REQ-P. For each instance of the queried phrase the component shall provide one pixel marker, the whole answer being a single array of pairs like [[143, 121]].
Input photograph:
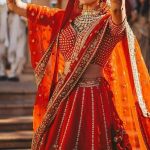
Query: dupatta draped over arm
[[125, 71]]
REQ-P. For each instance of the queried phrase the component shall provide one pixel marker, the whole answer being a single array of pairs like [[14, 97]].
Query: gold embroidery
[[63, 89], [40, 68], [131, 45], [81, 120], [81, 38], [67, 67]]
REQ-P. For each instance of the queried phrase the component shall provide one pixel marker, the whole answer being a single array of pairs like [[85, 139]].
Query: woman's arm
[[18, 7], [39, 14], [118, 12]]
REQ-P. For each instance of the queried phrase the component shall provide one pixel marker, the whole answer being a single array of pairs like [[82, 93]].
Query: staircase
[[16, 106]]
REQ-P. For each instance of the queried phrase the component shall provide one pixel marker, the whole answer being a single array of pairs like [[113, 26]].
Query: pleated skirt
[[87, 120]]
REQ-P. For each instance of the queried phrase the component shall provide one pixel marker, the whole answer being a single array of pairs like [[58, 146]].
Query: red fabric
[[40, 36], [118, 73], [112, 36], [80, 117]]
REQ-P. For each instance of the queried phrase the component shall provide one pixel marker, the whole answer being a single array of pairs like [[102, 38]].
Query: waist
[[93, 71], [90, 82]]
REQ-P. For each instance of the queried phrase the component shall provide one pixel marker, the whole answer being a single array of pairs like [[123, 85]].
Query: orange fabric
[[119, 75], [117, 72], [40, 35], [42, 24]]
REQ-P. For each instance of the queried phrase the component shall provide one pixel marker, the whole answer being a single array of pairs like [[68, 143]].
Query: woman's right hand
[[17, 6]]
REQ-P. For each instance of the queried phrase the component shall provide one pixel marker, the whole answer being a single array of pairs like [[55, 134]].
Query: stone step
[[16, 139], [16, 123], [11, 110], [17, 88], [27, 77], [6, 98], [28, 70]]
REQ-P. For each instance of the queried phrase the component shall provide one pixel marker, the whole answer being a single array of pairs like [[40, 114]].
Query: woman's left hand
[[118, 11]]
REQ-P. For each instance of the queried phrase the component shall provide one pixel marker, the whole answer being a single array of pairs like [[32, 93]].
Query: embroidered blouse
[[68, 37], [113, 34]]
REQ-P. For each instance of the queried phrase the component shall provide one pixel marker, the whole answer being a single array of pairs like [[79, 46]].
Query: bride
[[87, 64]]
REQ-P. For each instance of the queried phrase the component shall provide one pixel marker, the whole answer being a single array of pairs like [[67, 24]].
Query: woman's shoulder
[[42, 14], [38, 8]]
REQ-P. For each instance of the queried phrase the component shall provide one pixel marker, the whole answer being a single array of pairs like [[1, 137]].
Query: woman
[[86, 84]]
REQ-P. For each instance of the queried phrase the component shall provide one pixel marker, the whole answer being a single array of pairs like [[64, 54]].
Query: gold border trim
[[66, 89], [137, 84]]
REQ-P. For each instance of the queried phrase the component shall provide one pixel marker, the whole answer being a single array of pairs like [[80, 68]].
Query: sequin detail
[[66, 42], [131, 42], [69, 119], [86, 82], [113, 35], [105, 124], [80, 122], [59, 130], [92, 95]]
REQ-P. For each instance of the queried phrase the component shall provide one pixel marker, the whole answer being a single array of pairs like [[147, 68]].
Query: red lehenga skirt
[[87, 120]]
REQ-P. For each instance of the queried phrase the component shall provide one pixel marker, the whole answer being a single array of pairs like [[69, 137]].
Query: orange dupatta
[[120, 76], [41, 33]]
